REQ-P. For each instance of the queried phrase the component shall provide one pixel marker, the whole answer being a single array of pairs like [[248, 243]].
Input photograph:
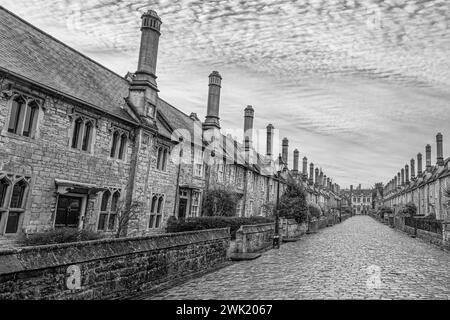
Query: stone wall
[[108, 269], [290, 229], [254, 238]]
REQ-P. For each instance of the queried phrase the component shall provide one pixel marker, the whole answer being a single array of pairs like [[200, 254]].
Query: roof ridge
[[62, 43]]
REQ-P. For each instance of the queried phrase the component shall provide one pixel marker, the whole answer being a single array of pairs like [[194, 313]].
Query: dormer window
[[150, 110]]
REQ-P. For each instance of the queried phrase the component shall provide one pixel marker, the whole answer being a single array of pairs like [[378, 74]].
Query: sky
[[358, 87]]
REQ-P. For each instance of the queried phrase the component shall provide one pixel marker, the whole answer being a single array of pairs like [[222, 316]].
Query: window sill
[[18, 137]]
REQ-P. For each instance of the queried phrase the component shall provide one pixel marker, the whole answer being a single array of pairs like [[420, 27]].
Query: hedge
[[202, 223], [60, 235]]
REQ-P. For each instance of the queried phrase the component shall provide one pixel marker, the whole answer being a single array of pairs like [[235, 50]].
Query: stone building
[[360, 200], [78, 142], [425, 187]]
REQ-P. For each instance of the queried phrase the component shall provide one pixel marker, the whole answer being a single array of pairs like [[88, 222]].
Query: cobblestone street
[[340, 262]]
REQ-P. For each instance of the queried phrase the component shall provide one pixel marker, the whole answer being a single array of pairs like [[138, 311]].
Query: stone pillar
[[439, 150], [270, 133], [413, 169], [248, 127], [285, 149], [212, 111], [419, 164], [296, 159], [428, 157]]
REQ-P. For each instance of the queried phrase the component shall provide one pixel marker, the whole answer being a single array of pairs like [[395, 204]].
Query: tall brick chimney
[[296, 159], [419, 164], [143, 91], [428, 157], [413, 169], [395, 183], [399, 179], [305, 167], [249, 114], [403, 176], [406, 174], [212, 112], [316, 180], [311, 173], [285, 150], [270, 133], [440, 153]]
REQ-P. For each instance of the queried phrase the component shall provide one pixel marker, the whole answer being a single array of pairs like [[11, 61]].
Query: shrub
[[220, 203], [60, 235], [408, 210], [384, 210], [293, 204], [314, 210], [203, 223]]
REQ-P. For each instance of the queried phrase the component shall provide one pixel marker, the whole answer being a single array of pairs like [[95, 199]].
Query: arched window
[[30, 119], [115, 201], [160, 204], [156, 211], [154, 202], [158, 162], [76, 132], [4, 184], [114, 144], [17, 111], [123, 143], [87, 136], [164, 160], [105, 200], [18, 193]]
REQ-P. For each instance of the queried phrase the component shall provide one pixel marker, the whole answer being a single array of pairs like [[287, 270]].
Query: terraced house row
[[78, 143], [426, 188]]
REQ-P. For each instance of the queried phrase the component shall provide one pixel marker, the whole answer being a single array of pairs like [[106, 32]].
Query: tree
[[125, 214], [220, 202], [293, 204]]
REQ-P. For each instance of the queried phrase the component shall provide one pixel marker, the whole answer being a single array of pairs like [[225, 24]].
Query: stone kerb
[[254, 238]]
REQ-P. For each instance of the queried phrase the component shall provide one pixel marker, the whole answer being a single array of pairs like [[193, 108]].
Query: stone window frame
[[5, 210], [162, 157], [195, 206], [118, 149], [198, 162], [85, 120], [108, 213], [28, 99], [156, 209], [239, 206], [250, 208], [220, 171], [239, 177]]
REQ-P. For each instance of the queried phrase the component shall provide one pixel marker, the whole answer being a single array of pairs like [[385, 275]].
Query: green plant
[[408, 210], [202, 223], [384, 210], [220, 202], [60, 235], [314, 210], [293, 204]]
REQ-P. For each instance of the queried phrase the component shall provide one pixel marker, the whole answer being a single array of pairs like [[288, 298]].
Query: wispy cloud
[[359, 87]]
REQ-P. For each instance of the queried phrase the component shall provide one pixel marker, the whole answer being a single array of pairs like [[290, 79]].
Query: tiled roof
[[32, 54]]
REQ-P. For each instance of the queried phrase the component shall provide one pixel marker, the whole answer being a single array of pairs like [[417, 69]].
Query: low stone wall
[[290, 229], [254, 238], [112, 268], [322, 222]]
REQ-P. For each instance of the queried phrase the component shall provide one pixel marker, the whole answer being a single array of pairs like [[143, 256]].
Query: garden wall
[[254, 238], [290, 229], [112, 268]]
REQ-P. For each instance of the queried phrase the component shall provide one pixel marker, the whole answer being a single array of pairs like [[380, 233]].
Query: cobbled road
[[357, 259]]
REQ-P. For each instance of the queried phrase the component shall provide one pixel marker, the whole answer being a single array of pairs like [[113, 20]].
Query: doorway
[[68, 211]]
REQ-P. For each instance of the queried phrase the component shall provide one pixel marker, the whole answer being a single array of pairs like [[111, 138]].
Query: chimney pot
[[248, 127], [285, 147], [296, 159], [419, 164], [212, 112], [428, 157], [440, 153], [269, 140]]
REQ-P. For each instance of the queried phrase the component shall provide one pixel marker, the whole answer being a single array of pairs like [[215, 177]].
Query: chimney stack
[[428, 157], [403, 176], [324, 181], [269, 140], [395, 183], [143, 91], [440, 152], [212, 112], [413, 169], [311, 173], [248, 127], [296, 158], [285, 148], [419, 165], [399, 179], [407, 174], [305, 167], [316, 180]]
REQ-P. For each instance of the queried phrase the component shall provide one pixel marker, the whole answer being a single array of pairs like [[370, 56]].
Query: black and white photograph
[[226, 152]]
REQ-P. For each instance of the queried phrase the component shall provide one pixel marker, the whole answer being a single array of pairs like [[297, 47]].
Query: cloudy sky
[[358, 86]]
